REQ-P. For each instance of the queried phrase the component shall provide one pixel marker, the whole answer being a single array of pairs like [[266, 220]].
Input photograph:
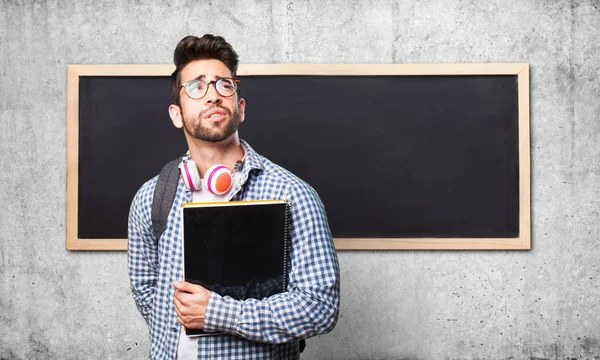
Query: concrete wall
[[538, 304]]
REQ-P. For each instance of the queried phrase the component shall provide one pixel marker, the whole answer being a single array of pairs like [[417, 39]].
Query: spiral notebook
[[238, 248]]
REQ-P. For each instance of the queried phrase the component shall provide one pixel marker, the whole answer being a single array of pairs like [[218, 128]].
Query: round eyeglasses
[[197, 88]]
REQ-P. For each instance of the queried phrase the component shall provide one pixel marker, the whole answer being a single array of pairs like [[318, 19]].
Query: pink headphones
[[217, 179]]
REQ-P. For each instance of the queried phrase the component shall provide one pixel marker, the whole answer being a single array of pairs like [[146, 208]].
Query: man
[[206, 104]]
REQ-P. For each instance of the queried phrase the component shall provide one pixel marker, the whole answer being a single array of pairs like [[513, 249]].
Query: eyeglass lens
[[196, 89]]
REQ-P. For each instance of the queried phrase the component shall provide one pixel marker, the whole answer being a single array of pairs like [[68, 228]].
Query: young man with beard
[[207, 105]]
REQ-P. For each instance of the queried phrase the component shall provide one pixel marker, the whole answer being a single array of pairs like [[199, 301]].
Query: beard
[[213, 132]]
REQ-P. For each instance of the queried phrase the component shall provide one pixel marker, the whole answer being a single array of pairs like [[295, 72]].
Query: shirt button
[[174, 329]]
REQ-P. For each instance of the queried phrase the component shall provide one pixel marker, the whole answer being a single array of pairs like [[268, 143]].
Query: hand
[[190, 304]]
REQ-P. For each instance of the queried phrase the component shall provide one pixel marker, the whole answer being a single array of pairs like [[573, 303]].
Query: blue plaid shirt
[[254, 329]]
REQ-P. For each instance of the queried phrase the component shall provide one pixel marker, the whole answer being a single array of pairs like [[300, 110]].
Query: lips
[[215, 115]]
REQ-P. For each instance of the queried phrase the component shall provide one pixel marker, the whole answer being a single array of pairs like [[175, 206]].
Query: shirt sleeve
[[310, 305], [142, 252]]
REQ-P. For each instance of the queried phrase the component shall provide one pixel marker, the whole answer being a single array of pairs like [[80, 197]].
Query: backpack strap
[[164, 195], [302, 344]]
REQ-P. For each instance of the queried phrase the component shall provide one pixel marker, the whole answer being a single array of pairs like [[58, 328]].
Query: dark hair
[[192, 48]]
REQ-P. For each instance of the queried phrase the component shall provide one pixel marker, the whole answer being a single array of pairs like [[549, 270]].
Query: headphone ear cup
[[190, 175], [218, 179]]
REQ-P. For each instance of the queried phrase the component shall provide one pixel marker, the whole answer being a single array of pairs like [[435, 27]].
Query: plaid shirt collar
[[251, 161]]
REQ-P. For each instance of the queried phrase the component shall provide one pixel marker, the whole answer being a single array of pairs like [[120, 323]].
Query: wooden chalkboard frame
[[522, 242]]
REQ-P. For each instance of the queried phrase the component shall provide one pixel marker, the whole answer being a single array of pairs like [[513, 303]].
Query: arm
[[310, 305], [142, 254]]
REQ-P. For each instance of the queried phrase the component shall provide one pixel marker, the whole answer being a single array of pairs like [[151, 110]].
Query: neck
[[207, 154]]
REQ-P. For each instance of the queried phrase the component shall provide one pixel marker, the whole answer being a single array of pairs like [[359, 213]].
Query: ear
[[175, 114], [242, 107]]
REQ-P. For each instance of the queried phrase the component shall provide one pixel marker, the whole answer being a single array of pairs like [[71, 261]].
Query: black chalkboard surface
[[394, 158]]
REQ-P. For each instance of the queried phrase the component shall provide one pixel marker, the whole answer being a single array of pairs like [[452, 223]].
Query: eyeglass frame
[[214, 83]]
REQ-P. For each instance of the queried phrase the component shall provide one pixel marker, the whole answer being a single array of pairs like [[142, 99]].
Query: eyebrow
[[201, 77]]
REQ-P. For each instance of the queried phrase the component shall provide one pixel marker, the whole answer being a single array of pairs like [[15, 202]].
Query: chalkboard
[[402, 156]]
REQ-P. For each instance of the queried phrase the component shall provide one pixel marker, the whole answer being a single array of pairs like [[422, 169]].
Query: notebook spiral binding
[[286, 246]]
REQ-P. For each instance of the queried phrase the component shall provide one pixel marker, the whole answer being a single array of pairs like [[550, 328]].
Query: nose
[[212, 96]]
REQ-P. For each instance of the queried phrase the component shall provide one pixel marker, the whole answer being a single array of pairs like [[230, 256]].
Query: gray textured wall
[[538, 304]]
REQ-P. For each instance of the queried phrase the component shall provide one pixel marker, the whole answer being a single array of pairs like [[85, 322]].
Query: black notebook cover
[[237, 249]]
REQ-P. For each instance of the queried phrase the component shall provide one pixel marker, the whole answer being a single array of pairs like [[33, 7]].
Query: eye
[[226, 84], [195, 88]]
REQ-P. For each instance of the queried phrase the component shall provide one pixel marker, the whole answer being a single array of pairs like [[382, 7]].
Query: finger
[[180, 296], [181, 309], [185, 299], [180, 321], [181, 317], [178, 307], [187, 287]]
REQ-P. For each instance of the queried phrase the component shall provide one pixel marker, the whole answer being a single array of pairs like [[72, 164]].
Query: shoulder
[[142, 201]]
